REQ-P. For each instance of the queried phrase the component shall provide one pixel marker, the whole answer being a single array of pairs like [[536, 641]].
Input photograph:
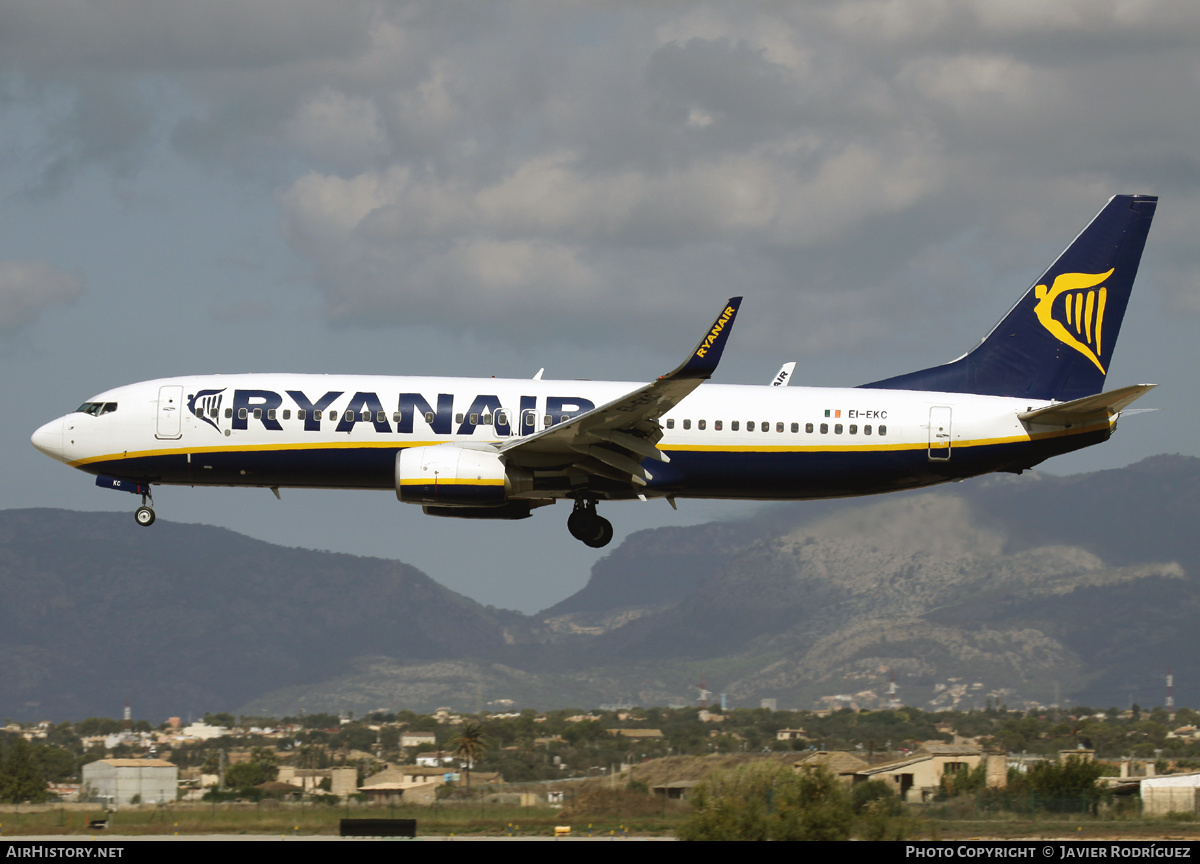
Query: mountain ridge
[[1029, 586]]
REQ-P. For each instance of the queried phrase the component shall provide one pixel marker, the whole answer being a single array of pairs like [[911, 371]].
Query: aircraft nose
[[49, 439]]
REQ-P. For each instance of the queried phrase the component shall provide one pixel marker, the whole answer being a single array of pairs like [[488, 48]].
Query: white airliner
[[496, 449]]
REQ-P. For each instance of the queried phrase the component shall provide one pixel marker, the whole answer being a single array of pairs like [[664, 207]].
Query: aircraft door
[[939, 433], [170, 411]]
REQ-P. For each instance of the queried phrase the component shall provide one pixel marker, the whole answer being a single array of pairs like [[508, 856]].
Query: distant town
[[421, 758]]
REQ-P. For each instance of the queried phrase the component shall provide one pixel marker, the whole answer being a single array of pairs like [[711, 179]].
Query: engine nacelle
[[450, 475]]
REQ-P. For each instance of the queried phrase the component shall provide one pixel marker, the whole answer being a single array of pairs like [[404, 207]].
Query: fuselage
[[723, 441], [499, 448]]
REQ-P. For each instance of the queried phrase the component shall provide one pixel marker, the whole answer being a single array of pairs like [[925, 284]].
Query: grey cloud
[[107, 125], [27, 288], [170, 36], [724, 90], [483, 166]]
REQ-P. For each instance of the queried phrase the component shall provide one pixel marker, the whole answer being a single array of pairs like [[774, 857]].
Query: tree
[[246, 774], [769, 801], [1065, 786], [262, 768], [267, 759], [469, 746], [964, 781], [21, 777], [57, 764]]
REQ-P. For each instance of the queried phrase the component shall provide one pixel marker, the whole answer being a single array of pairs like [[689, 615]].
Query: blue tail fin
[[1057, 341]]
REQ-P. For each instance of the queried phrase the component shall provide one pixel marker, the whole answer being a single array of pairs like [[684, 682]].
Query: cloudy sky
[[490, 188]]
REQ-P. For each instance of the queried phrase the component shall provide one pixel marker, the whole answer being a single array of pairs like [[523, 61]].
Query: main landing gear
[[144, 515], [588, 526]]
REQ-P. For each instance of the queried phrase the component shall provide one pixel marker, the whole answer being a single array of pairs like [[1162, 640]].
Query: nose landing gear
[[588, 526]]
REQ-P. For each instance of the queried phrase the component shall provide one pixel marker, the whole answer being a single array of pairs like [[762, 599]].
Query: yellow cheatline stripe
[[261, 448], [911, 445], [786, 448]]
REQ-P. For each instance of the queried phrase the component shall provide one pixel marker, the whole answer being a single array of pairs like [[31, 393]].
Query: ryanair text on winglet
[[715, 332]]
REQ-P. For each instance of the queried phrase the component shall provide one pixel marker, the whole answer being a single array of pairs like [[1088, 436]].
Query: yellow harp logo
[[1079, 320]]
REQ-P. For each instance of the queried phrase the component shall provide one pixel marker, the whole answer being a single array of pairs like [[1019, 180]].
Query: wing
[[613, 439]]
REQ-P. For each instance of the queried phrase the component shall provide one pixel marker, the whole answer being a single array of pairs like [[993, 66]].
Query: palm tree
[[469, 746]]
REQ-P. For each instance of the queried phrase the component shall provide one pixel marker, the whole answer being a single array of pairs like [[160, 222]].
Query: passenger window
[[287, 413], [214, 413], [428, 416], [735, 425], [837, 429], [687, 424], [257, 413], [882, 429], [380, 416], [458, 418], [563, 419], [228, 413], [749, 425], [718, 425], [241, 413], [671, 423], [547, 420], [824, 428], [699, 424], [474, 419], [317, 414], [270, 413], [853, 429], [395, 417], [779, 426], [808, 428], [365, 416], [302, 414], [795, 427], [867, 429], [501, 418], [487, 419]]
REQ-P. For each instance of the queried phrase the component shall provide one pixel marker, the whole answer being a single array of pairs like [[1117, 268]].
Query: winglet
[[784, 376], [707, 354]]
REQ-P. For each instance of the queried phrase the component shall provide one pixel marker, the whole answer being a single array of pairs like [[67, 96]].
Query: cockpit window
[[96, 408]]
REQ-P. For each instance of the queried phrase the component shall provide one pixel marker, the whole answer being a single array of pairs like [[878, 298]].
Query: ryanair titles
[[412, 412]]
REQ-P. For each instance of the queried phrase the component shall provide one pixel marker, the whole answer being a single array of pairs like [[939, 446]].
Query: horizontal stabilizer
[[1090, 408]]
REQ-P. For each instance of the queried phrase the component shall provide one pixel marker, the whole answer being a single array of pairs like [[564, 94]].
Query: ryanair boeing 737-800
[[496, 449]]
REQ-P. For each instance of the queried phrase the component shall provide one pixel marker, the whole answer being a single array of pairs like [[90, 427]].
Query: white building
[[118, 781], [418, 739], [1175, 793], [203, 731]]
